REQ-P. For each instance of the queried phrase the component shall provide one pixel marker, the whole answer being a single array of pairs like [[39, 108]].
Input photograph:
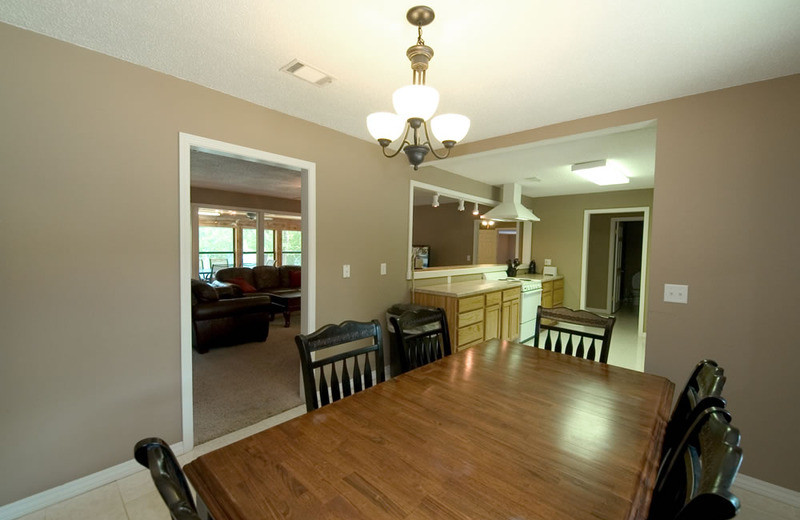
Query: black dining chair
[[696, 484], [703, 390], [423, 336], [352, 344], [578, 333], [155, 454]]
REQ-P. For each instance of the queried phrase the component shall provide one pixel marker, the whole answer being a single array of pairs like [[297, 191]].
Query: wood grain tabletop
[[498, 431]]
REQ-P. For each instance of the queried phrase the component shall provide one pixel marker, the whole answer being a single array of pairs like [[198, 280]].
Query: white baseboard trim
[[767, 490], [597, 311], [74, 488]]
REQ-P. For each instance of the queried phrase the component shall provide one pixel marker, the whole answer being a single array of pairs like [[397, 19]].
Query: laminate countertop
[[540, 277], [471, 288]]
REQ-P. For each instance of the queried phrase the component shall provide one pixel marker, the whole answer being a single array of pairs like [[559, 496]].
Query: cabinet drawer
[[470, 303], [470, 317], [547, 287], [558, 284], [493, 298], [470, 333], [510, 294]]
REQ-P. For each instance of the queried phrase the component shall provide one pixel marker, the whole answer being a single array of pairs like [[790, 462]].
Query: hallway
[[627, 347]]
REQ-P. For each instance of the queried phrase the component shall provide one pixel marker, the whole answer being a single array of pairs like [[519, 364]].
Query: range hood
[[511, 209]]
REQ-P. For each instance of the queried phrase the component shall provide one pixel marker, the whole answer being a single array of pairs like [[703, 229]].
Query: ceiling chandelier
[[414, 104]]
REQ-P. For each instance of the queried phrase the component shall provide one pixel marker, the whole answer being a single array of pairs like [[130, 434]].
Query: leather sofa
[[221, 318], [262, 278]]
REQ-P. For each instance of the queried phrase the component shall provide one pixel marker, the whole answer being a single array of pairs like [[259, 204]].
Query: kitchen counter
[[540, 277], [462, 289], [476, 310]]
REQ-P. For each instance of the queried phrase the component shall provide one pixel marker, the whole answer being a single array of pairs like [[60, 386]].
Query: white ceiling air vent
[[307, 72]]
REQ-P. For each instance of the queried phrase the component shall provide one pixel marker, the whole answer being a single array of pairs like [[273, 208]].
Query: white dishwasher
[[531, 299]]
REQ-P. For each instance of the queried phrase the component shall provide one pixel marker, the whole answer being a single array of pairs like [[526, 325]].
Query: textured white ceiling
[[544, 168], [509, 66], [220, 172]]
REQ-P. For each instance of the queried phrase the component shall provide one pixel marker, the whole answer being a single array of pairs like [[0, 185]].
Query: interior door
[[616, 299], [487, 246]]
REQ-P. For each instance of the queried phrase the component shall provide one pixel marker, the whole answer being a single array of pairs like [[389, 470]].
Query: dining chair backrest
[[697, 483], [423, 336], [351, 344], [703, 390], [578, 333], [155, 454]]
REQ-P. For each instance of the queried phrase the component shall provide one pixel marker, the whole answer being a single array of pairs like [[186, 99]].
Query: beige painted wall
[[90, 312], [243, 200], [724, 222], [90, 353], [449, 232]]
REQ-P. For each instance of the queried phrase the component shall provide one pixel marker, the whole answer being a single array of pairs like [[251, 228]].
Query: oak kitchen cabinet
[[552, 291], [476, 310]]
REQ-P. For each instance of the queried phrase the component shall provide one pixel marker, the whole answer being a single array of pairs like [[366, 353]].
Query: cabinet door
[[558, 292], [505, 321], [513, 325], [547, 294], [492, 322]]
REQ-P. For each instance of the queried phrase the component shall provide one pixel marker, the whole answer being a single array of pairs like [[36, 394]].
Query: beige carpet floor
[[237, 386]]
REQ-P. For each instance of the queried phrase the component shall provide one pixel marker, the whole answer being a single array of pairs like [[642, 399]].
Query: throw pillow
[[244, 284], [294, 278]]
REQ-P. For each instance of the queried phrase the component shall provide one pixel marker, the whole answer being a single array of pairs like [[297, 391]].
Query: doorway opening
[[614, 276], [245, 249]]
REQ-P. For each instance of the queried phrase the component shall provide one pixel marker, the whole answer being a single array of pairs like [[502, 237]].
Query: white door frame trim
[[309, 227], [585, 250]]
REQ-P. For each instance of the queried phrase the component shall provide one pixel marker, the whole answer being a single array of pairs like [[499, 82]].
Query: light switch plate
[[548, 261], [383, 268], [675, 293], [346, 271]]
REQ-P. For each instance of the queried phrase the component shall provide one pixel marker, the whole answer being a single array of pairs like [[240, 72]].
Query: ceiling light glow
[[601, 172]]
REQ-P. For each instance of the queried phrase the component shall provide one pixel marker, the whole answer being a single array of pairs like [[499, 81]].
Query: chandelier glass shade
[[415, 101], [414, 105]]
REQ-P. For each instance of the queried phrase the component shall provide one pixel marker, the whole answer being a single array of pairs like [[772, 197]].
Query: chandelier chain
[[420, 41]]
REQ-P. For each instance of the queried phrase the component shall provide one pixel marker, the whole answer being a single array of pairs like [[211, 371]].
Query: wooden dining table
[[497, 431]]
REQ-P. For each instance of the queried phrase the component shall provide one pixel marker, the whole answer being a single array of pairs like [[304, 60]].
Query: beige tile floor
[[135, 497]]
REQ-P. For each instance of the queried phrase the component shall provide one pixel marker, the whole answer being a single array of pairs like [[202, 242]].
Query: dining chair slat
[[347, 340], [336, 393], [346, 387], [578, 326]]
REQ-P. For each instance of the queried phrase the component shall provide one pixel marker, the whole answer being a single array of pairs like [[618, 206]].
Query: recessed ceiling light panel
[[601, 173], [307, 73]]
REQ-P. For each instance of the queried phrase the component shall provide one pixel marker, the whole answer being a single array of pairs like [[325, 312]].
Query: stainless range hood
[[511, 209]]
